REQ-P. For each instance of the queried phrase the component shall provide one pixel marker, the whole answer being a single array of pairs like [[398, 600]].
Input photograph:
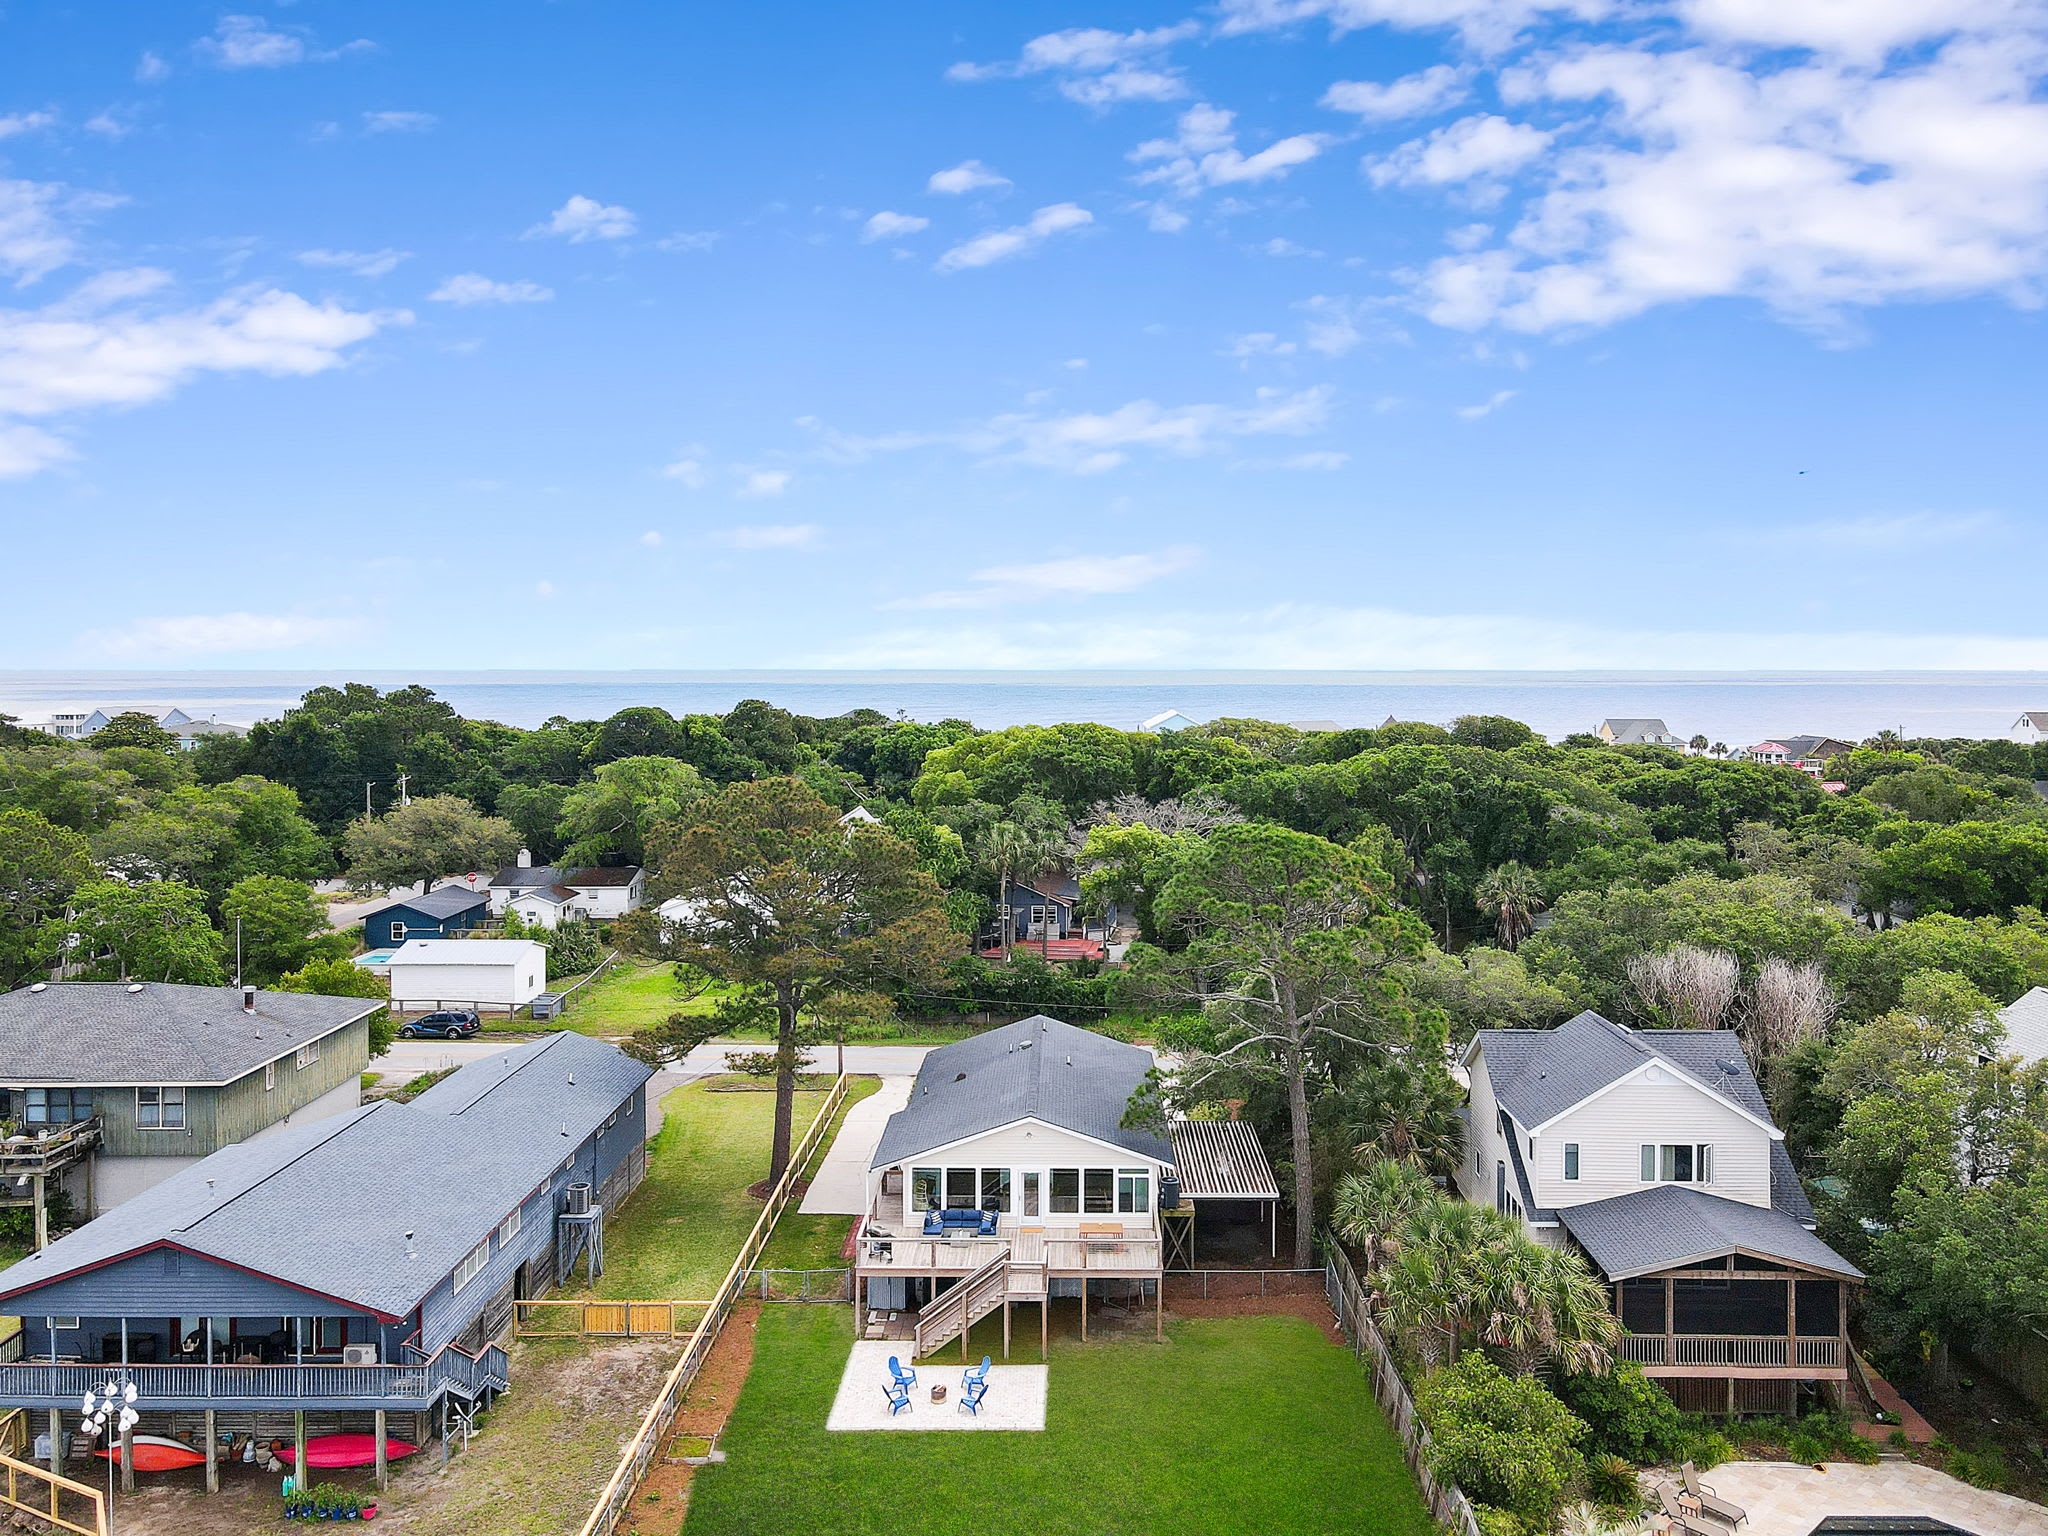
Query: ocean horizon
[[1737, 708]]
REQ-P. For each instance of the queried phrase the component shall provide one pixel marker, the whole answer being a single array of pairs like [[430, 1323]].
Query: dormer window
[[1682, 1162]]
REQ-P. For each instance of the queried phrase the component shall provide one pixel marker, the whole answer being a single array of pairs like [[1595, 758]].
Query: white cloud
[[398, 122], [1096, 66], [1002, 244], [967, 176], [25, 122], [1489, 405], [770, 536], [689, 240], [153, 640], [1488, 25], [1417, 95], [26, 450], [651, 539], [1879, 533], [585, 218], [688, 467], [1074, 576], [108, 343], [35, 237], [249, 42], [543, 589], [1204, 153], [1471, 149], [889, 226], [758, 484], [1864, 29], [151, 68], [475, 288], [361, 263]]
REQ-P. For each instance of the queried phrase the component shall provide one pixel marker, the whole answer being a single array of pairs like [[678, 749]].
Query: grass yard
[[1237, 1425], [627, 998], [677, 1236]]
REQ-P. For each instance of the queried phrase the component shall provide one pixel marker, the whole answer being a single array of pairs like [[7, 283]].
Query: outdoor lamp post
[[112, 1408]]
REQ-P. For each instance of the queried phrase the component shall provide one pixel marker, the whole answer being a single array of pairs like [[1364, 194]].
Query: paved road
[[408, 1058]]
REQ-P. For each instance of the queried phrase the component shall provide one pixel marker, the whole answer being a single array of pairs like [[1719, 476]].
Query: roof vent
[[134, 986], [39, 986], [959, 1077], [1025, 1045], [1070, 1061]]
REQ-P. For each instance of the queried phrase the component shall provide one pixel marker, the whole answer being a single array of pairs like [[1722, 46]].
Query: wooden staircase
[[950, 1315]]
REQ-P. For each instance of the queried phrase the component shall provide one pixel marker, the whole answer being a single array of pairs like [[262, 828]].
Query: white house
[[2030, 727], [1011, 1177], [2026, 1026], [1652, 1153], [551, 892], [189, 730], [467, 973], [1167, 722], [1623, 733]]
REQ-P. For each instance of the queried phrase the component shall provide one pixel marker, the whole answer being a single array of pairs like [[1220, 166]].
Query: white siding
[[1032, 1145], [502, 985], [1611, 1129], [610, 901], [1484, 1147]]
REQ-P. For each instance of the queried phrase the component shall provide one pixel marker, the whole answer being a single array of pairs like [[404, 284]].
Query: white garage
[[468, 973]]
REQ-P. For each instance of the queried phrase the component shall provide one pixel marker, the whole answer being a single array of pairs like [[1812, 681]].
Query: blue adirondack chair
[[899, 1375], [972, 1394], [898, 1395], [975, 1374]]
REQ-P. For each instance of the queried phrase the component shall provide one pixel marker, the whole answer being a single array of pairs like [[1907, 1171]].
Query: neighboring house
[[1015, 1139], [142, 1079], [467, 973], [2030, 727], [190, 730], [860, 816], [1167, 722], [1314, 725], [450, 909], [1809, 754], [1652, 1153], [1045, 907], [1634, 733], [355, 1269], [600, 892], [2026, 1026]]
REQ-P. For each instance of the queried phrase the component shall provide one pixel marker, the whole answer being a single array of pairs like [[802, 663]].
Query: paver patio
[[1790, 1498], [1016, 1395]]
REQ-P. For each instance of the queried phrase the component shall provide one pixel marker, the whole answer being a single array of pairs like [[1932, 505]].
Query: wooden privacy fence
[[605, 1319], [1447, 1501], [87, 1511], [646, 1442]]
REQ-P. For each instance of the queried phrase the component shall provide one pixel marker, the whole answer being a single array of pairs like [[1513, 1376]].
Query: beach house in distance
[[1652, 1153], [1010, 1177], [1630, 733], [353, 1275]]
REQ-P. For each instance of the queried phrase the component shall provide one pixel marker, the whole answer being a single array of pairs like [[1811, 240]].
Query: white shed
[[468, 973]]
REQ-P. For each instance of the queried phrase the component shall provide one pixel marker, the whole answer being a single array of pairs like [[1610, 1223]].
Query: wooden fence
[[1447, 1501], [605, 1319], [646, 1443], [50, 1493]]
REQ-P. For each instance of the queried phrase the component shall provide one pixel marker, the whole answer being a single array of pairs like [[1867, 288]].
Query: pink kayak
[[345, 1450]]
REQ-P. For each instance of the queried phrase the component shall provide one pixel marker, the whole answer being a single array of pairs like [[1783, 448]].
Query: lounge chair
[[1683, 1520], [1718, 1509], [975, 1373], [972, 1394], [901, 1377], [898, 1395]]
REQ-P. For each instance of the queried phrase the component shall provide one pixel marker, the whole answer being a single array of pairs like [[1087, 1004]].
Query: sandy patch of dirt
[[664, 1499]]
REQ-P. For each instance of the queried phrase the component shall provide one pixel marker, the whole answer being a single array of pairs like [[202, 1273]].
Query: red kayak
[[154, 1453], [337, 1451]]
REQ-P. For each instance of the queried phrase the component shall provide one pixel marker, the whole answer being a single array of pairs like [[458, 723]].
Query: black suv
[[449, 1024]]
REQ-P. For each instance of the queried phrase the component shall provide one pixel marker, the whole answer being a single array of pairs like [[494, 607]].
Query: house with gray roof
[[149, 1077], [2026, 1026], [368, 1263], [1011, 1176], [1653, 1154], [1632, 733], [600, 892]]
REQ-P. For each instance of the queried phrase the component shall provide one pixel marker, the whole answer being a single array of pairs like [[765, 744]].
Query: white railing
[[1735, 1351], [960, 1308], [1058, 1251]]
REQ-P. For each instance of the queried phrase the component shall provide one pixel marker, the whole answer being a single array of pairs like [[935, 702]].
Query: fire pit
[[938, 1394]]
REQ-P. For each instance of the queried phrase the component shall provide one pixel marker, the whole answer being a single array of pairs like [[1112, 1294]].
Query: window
[[1680, 1163], [306, 1055], [1066, 1191], [1500, 1186], [472, 1262], [61, 1324], [1098, 1191], [1571, 1160], [924, 1188], [1133, 1191], [508, 1228], [269, 1076], [58, 1106], [995, 1189], [959, 1189], [397, 933], [160, 1109], [330, 1334]]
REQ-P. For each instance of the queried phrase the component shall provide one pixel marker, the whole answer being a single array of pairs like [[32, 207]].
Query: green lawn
[[1236, 1426], [678, 1234], [626, 998]]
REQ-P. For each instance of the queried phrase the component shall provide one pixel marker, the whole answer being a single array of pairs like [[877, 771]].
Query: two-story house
[[141, 1079], [1653, 1153], [545, 894], [1010, 1177], [339, 1274]]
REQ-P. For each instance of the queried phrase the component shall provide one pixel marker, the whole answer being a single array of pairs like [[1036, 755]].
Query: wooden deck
[[1064, 1252]]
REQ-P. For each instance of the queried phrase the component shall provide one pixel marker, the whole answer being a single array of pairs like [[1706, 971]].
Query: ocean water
[[1736, 708]]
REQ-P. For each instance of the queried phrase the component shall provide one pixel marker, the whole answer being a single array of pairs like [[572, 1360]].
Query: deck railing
[[1735, 1351], [416, 1381], [1063, 1251]]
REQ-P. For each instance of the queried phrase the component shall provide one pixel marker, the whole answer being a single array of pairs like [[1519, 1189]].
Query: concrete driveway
[[840, 1187]]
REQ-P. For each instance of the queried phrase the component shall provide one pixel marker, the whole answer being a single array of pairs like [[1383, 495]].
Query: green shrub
[[1980, 1469], [1629, 1415], [18, 1222], [1708, 1448], [1611, 1482], [1504, 1439], [1497, 1522]]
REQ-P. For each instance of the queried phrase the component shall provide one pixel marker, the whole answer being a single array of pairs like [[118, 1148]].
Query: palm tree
[[1439, 1255], [1372, 1208], [1540, 1306], [1720, 749], [1422, 1303], [1007, 850], [1404, 1110], [1513, 894], [1697, 744], [1886, 741]]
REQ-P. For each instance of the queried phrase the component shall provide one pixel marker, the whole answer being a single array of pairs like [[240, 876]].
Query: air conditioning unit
[[576, 1199], [358, 1354]]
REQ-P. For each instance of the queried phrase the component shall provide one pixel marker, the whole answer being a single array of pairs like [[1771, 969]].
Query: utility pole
[[403, 778], [367, 812]]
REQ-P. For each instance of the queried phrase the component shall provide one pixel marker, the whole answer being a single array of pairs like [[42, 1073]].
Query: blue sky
[[1269, 333]]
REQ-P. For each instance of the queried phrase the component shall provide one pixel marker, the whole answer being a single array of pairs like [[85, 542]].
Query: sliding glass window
[[1066, 1191]]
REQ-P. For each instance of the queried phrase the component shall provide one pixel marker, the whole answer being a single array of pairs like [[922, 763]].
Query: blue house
[[342, 1272], [439, 914]]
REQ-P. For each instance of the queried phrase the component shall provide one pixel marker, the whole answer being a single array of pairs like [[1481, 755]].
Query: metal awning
[[1221, 1160]]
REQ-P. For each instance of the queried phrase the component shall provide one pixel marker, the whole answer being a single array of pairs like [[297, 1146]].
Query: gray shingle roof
[[1037, 1068], [1538, 1074], [523, 877], [443, 902], [104, 1033], [325, 1206], [1666, 1225], [2026, 1025]]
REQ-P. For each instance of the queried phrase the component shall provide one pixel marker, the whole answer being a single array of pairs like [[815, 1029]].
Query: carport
[[1225, 1177]]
